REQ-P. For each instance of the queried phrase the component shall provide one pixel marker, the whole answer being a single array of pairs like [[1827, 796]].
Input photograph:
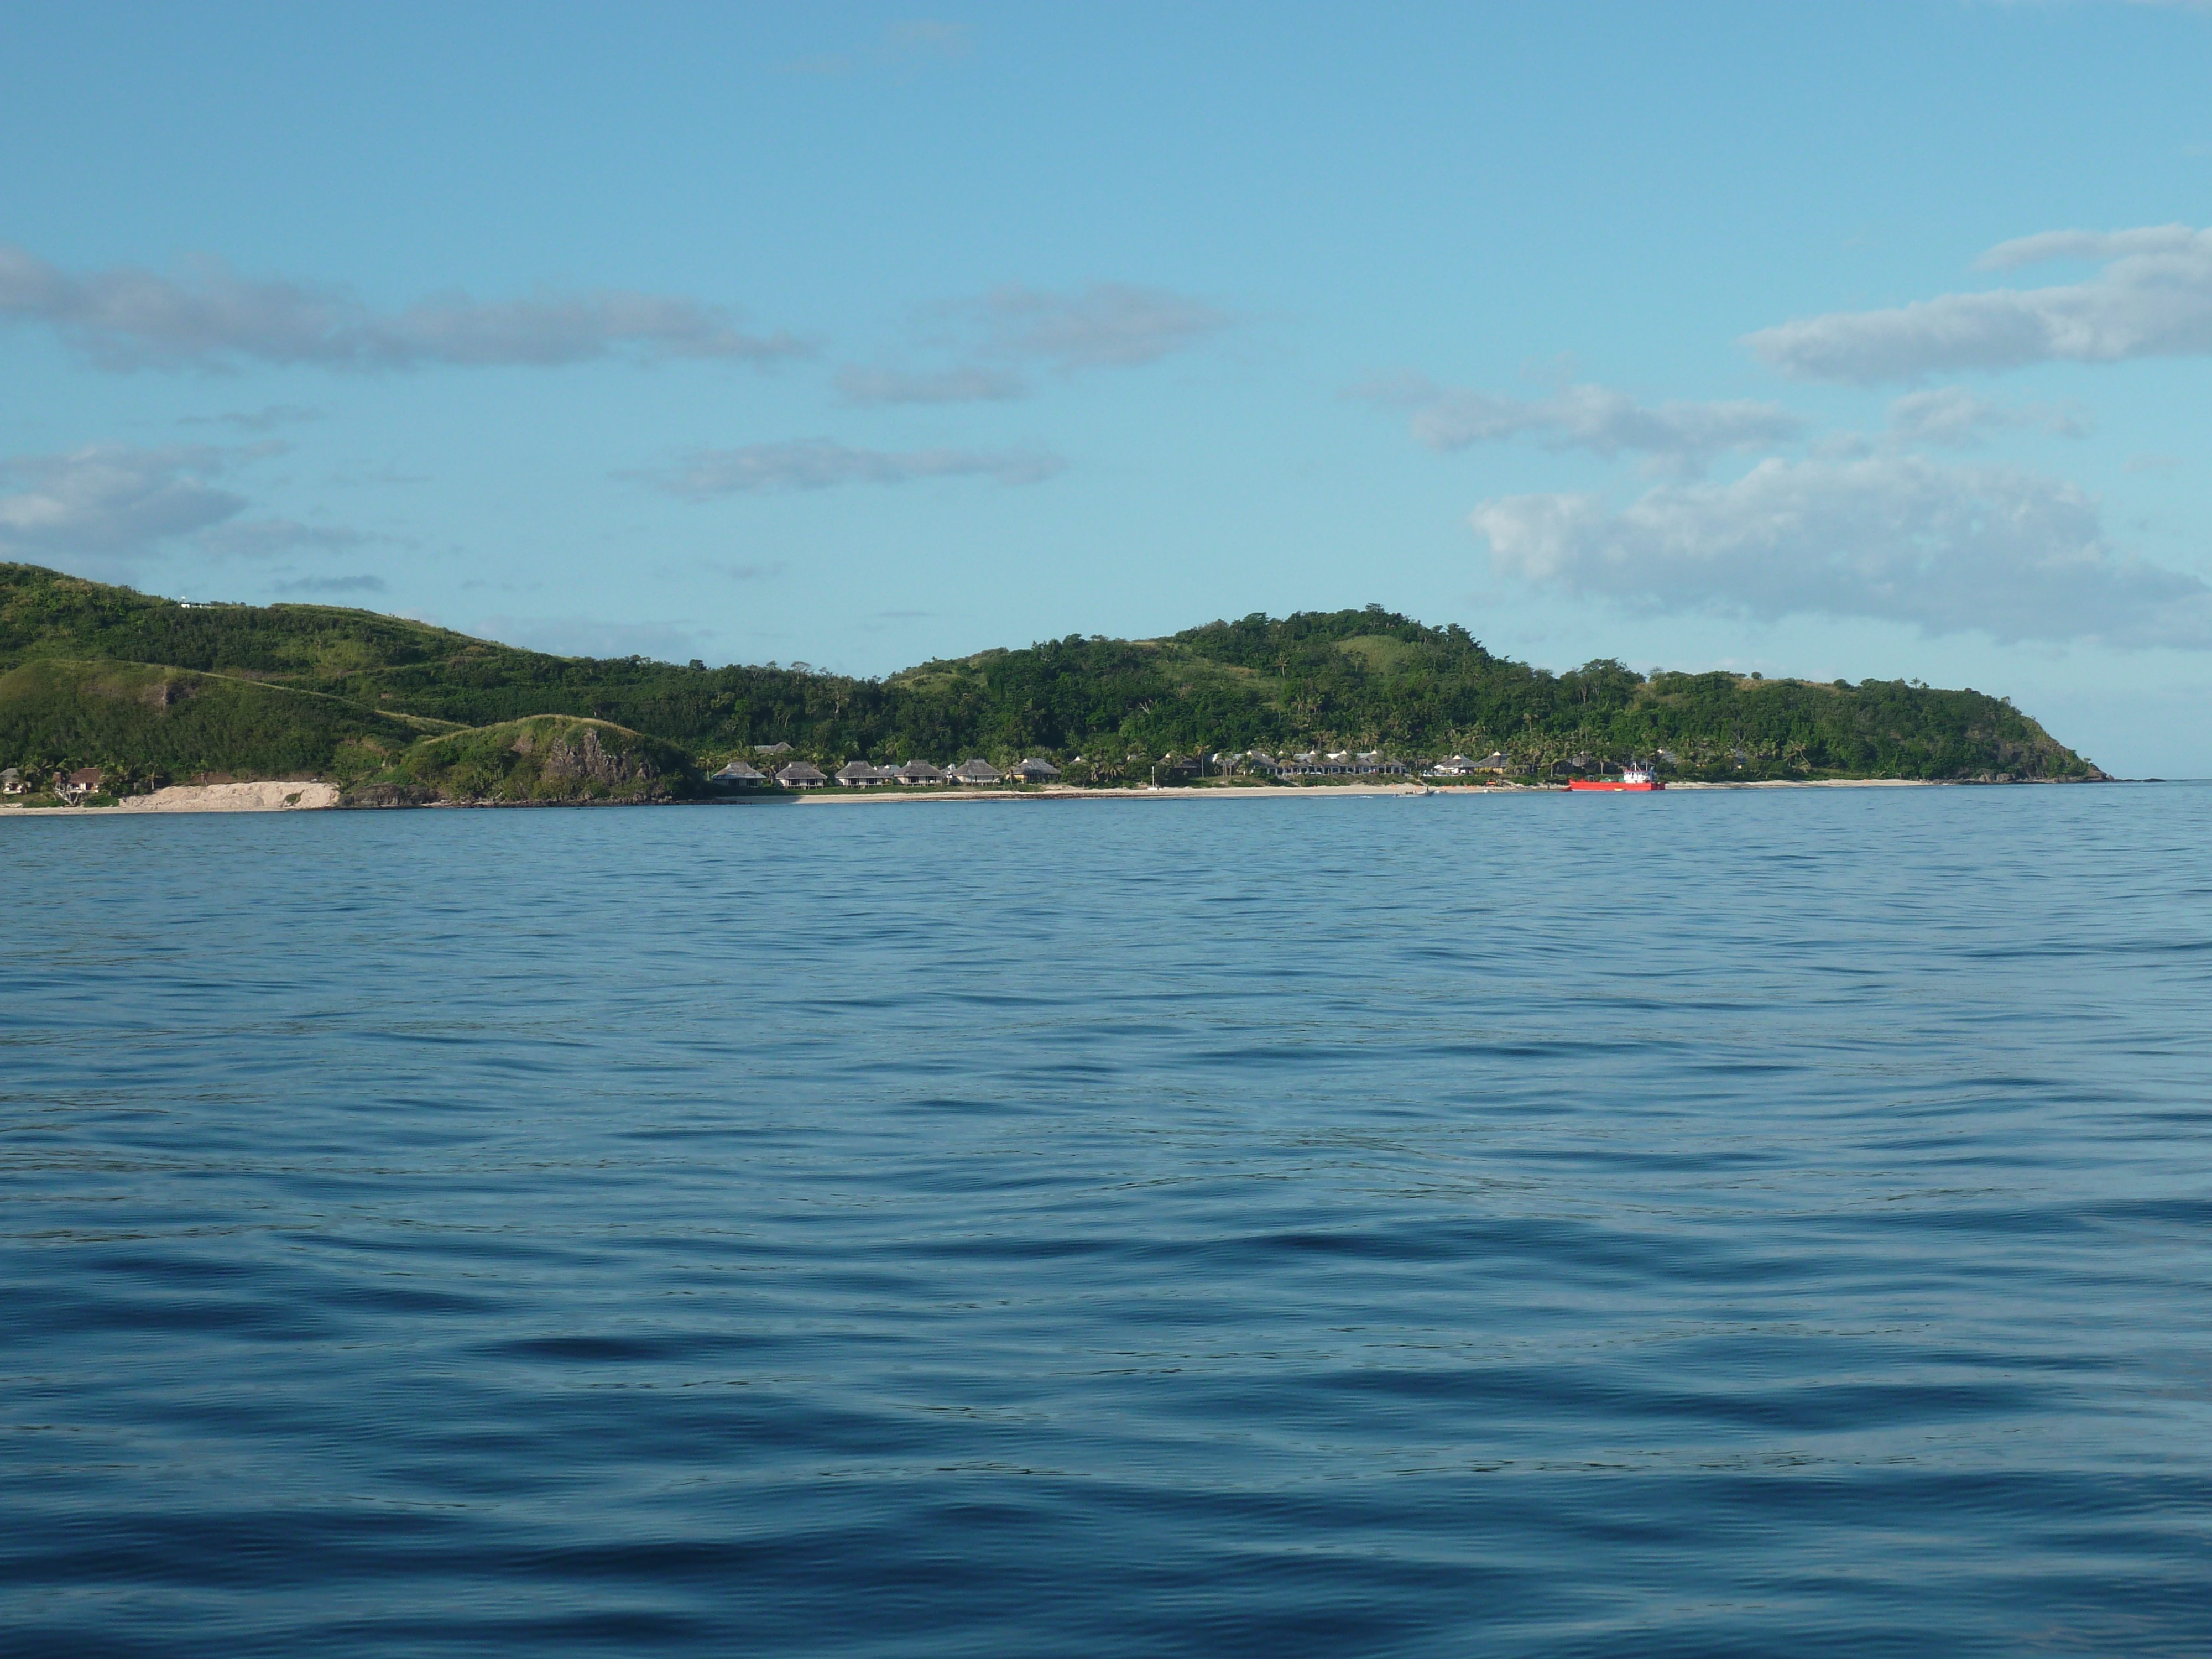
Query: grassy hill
[[143, 723], [1364, 679], [545, 759]]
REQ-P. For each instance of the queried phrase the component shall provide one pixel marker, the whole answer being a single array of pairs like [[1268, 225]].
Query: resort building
[[919, 771], [1459, 766], [799, 775], [977, 771], [737, 772], [1037, 771]]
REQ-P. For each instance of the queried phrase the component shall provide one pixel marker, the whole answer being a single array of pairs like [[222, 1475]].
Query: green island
[[148, 692]]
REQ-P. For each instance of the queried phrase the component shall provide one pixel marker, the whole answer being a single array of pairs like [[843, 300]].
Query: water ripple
[[1748, 1223]]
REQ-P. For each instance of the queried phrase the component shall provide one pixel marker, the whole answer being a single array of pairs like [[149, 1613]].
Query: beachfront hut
[[85, 781], [801, 775], [1258, 761], [855, 774], [11, 782], [1495, 761], [738, 773], [977, 771], [919, 771], [1037, 771], [1457, 766]]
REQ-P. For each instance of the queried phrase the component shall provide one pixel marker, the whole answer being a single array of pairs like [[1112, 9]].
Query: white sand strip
[[270, 797]]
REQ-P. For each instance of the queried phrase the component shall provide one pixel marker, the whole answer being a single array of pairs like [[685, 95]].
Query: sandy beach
[[270, 797], [296, 797]]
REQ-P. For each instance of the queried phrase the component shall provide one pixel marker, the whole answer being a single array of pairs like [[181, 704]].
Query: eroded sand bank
[[272, 797]]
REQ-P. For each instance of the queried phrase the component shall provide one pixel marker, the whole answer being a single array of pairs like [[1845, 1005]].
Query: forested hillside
[[145, 724], [1360, 679]]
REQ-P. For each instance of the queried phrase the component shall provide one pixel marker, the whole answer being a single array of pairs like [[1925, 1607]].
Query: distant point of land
[[128, 693]]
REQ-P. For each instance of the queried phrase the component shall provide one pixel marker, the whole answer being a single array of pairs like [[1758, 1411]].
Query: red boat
[[1636, 779]]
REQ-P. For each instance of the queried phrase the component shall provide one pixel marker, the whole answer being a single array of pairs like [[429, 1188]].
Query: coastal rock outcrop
[[390, 795], [583, 757], [544, 760]]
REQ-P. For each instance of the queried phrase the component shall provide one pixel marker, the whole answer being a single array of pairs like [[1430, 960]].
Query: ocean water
[[1723, 1223]]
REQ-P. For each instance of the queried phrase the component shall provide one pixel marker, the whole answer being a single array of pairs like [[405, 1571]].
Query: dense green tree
[[1368, 678]]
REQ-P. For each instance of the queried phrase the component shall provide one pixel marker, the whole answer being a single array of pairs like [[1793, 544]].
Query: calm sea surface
[[1760, 1223]]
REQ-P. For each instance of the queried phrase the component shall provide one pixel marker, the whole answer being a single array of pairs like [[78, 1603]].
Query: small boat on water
[[1633, 779]]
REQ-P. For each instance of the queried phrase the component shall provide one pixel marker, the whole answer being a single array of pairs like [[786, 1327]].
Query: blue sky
[[1851, 340]]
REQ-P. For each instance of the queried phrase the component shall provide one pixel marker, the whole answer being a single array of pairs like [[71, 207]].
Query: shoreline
[[311, 796], [1321, 792], [269, 795]]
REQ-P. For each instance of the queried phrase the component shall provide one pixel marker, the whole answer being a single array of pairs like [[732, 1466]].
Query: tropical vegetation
[[151, 690]]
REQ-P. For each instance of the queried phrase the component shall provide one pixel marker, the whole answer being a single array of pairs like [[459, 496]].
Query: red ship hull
[[1614, 786]]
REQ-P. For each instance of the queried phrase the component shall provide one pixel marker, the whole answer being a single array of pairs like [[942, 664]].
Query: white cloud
[[903, 47], [1954, 417], [267, 419], [924, 37], [994, 341], [1672, 437], [2099, 245], [333, 585], [262, 538], [1107, 324], [126, 318], [726, 569], [109, 502], [968, 384], [820, 464], [2152, 299], [1952, 550], [593, 637]]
